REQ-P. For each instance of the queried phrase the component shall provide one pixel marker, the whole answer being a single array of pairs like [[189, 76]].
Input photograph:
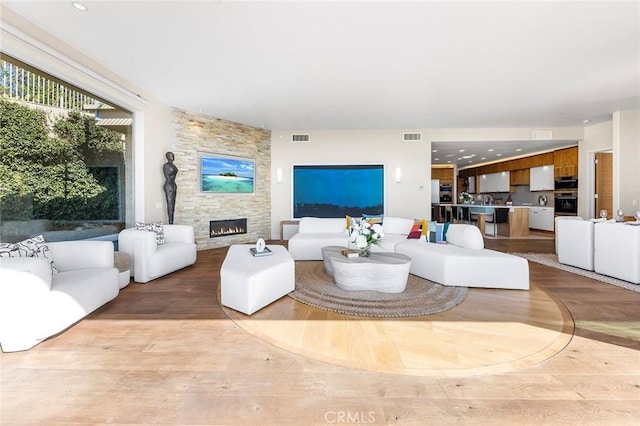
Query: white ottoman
[[250, 283]]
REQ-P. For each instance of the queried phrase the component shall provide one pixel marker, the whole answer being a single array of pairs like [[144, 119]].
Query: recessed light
[[490, 150], [434, 150], [449, 155], [462, 150], [459, 159], [80, 6], [483, 158], [498, 155], [519, 149], [437, 159], [586, 121], [470, 161], [449, 161]]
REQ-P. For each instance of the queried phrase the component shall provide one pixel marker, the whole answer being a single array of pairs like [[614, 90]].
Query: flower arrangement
[[465, 197], [363, 234]]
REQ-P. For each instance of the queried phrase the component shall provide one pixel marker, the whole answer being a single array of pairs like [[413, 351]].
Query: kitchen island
[[514, 222]]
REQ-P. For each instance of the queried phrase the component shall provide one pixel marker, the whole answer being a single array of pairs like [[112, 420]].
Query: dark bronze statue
[[170, 188]]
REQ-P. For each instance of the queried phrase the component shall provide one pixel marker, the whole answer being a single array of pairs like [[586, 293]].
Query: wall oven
[[566, 184], [566, 204]]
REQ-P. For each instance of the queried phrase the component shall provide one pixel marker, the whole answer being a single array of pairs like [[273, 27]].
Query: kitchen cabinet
[[541, 218], [444, 174], [519, 177], [494, 182], [566, 162], [541, 178]]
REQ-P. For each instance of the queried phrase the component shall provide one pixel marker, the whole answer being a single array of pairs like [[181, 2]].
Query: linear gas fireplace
[[221, 228]]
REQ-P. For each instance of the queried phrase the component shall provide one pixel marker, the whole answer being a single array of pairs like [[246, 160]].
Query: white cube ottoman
[[250, 283]]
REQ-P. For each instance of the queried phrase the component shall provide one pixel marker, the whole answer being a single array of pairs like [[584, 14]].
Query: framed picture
[[224, 174], [338, 190]]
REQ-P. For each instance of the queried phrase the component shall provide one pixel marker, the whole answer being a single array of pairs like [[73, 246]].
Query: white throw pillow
[[321, 224], [31, 247], [466, 236], [153, 227], [397, 225]]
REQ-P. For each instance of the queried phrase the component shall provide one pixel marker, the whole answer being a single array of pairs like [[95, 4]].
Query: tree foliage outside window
[[58, 172]]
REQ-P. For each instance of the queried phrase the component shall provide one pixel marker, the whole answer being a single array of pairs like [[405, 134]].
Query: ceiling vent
[[300, 137], [541, 135], [412, 137]]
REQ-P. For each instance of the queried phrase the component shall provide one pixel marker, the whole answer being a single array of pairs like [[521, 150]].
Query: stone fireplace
[[221, 228]]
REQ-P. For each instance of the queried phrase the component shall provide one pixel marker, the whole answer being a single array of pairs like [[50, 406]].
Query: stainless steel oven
[[566, 204]]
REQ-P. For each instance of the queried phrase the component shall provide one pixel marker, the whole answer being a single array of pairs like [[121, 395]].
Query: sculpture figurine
[[170, 188]]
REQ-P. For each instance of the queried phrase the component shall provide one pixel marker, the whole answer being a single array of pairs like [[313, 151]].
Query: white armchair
[[150, 260], [617, 251], [574, 242]]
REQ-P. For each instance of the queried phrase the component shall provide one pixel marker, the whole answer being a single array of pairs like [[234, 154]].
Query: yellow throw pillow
[[348, 223], [425, 227]]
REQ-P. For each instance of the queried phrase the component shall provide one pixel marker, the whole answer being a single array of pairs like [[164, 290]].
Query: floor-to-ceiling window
[[65, 159]]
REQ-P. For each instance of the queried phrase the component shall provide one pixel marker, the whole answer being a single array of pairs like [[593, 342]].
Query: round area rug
[[316, 288]]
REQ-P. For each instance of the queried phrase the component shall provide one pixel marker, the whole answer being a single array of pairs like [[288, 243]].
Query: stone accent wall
[[193, 134]]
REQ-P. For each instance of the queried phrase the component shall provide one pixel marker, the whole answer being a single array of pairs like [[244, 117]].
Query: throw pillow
[[415, 232], [31, 247], [444, 231], [435, 232], [153, 227], [373, 218]]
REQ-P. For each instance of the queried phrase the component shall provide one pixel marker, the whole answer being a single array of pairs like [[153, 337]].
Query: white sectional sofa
[[462, 261], [36, 302]]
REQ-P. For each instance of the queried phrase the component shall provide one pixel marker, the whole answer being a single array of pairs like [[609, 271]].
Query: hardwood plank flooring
[[166, 353]]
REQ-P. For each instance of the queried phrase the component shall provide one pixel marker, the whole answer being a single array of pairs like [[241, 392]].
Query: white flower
[[361, 241], [364, 234]]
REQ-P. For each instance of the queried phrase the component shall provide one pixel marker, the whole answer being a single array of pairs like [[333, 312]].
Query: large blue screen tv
[[338, 190]]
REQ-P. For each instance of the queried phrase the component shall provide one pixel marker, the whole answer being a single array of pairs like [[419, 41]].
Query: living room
[[179, 359]]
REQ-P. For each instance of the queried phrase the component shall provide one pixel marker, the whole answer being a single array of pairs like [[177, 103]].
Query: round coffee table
[[382, 271]]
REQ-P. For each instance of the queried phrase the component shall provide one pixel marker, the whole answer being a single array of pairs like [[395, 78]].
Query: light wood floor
[[166, 353]]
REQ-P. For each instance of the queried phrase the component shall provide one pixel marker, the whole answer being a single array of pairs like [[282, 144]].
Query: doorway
[[604, 184]]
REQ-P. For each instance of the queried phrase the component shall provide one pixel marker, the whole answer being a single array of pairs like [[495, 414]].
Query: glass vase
[[365, 252]]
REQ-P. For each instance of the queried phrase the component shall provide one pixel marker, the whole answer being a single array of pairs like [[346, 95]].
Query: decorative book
[[350, 253], [256, 253]]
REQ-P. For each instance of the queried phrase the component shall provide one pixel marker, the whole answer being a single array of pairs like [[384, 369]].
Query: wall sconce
[[398, 174], [279, 175]]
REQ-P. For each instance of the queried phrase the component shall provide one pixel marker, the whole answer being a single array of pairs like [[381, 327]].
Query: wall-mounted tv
[[338, 190], [224, 174]]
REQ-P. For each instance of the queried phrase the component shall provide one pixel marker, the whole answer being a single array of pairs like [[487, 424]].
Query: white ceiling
[[366, 65]]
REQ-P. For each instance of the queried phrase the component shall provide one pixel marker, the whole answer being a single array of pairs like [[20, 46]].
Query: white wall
[[408, 198], [621, 135], [597, 138], [626, 161]]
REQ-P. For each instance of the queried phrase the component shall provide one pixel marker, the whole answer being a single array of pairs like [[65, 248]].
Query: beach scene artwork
[[222, 174]]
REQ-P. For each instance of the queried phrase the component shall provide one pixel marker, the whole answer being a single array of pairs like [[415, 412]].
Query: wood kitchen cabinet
[[565, 162], [519, 177], [444, 174]]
